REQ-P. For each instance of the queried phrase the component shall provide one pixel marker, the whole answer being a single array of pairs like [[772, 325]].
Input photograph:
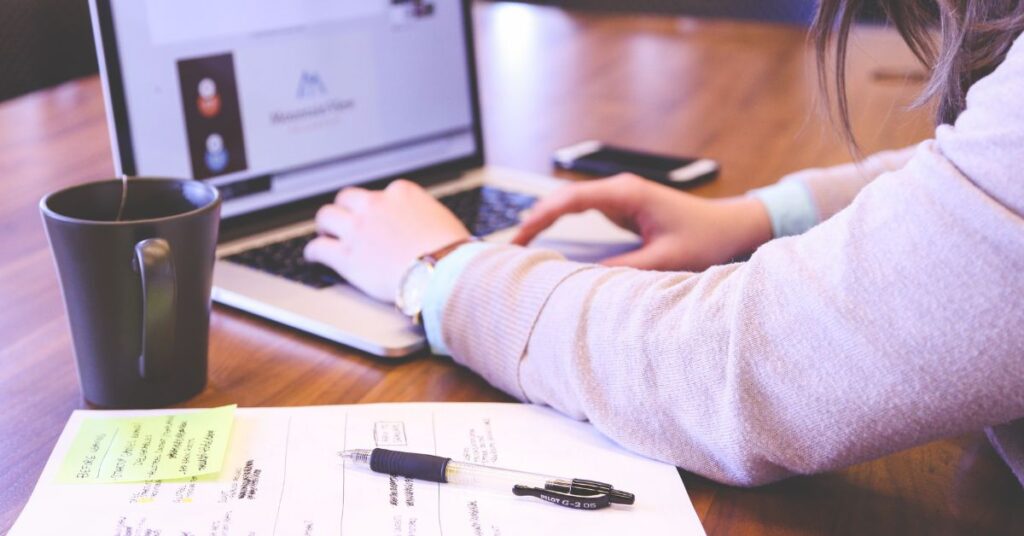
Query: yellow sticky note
[[159, 447]]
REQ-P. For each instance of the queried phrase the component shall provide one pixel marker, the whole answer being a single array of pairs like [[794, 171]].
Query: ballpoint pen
[[573, 493]]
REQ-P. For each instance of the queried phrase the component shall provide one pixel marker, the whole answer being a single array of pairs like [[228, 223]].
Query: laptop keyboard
[[285, 259], [484, 210]]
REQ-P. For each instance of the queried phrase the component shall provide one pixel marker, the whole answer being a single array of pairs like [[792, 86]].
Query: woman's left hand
[[372, 237]]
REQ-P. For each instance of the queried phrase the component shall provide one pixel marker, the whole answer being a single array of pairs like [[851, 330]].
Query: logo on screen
[[311, 85], [213, 115], [209, 99], [216, 153]]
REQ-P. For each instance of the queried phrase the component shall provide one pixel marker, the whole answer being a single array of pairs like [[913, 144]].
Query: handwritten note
[[136, 449]]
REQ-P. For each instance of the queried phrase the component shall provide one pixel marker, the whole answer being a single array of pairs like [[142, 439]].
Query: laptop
[[281, 104]]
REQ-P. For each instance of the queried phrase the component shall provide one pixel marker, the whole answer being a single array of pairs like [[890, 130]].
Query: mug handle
[[159, 306]]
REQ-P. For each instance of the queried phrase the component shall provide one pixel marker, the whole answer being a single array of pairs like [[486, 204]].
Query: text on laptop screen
[[280, 101]]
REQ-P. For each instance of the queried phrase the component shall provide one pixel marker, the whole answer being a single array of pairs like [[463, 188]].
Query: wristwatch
[[412, 287]]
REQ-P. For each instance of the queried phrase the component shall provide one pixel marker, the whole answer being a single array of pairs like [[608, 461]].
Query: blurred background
[[46, 42], [43, 43]]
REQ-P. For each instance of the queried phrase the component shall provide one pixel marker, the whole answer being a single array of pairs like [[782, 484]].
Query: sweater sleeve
[[446, 275], [895, 322], [804, 199], [833, 188]]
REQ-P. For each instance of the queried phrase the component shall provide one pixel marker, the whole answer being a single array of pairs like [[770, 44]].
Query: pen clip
[[568, 500]]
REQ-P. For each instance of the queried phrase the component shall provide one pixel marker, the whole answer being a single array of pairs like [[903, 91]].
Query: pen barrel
[[482, 476]]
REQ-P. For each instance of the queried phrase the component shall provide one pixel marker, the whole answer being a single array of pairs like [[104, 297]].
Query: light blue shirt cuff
[[446, 275], [790, 207]]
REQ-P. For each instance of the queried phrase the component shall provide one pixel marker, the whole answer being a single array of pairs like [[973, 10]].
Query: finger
[[648, 257], [403, 186], [546, 211], [334, 220], [606, 196], [328, 251], [354, 199]]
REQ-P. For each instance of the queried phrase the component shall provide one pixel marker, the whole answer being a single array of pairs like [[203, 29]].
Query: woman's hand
[[371, 238], [680, 231]]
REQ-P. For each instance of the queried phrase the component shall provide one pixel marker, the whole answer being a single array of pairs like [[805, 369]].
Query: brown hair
[[958, 41]]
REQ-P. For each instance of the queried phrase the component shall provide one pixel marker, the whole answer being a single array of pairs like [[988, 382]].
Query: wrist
[[409, 295], [749, 219], [447, 274]]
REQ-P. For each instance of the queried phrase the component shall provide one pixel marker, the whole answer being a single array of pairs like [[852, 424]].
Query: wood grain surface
[[742, 93]]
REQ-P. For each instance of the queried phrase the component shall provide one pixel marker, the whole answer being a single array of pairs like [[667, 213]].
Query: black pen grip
[[409, 464]]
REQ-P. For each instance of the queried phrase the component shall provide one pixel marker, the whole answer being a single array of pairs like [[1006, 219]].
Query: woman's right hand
[[679, 231]]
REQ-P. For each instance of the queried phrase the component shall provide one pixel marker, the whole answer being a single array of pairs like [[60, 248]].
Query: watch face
[[414, 284]]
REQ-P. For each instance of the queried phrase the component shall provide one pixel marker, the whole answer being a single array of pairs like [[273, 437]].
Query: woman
[[893, 315]]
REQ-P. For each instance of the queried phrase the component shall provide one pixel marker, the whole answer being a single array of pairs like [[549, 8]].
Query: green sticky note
[[158, 447]]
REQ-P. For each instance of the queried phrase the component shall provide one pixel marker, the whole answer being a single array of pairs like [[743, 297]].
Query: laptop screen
[[275, 101]]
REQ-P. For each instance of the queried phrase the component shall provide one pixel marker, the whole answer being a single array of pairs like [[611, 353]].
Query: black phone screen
[[627, 160], [605, 161]]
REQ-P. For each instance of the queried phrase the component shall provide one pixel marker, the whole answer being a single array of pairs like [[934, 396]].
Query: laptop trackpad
[[587, 237]]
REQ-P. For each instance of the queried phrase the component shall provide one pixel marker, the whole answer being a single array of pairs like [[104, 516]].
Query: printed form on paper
[[282, 474]]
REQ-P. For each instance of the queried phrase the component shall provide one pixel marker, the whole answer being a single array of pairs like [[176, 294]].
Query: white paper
[[282, 475]]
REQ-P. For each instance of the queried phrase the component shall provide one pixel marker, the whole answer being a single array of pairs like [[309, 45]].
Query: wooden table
[[739, 92]]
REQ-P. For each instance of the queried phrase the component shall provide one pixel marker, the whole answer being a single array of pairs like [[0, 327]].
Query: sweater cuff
[[491, 312], [446, 275], [790, 207]]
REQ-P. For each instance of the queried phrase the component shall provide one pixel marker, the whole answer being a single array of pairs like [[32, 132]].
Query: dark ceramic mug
[[137, 290]]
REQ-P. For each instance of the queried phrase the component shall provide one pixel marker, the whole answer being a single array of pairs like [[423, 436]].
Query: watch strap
[[430, 259], [435, 257]]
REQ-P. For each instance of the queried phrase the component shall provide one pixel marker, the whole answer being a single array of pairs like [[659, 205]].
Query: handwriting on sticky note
[[135, 449]]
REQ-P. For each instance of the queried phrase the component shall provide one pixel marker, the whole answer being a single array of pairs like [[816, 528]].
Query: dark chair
[[43, 43]]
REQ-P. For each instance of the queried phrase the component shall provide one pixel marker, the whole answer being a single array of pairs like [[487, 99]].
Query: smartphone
[[597, 158]]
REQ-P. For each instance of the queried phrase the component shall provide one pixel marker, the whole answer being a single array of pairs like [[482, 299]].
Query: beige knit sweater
[[896, 321]]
